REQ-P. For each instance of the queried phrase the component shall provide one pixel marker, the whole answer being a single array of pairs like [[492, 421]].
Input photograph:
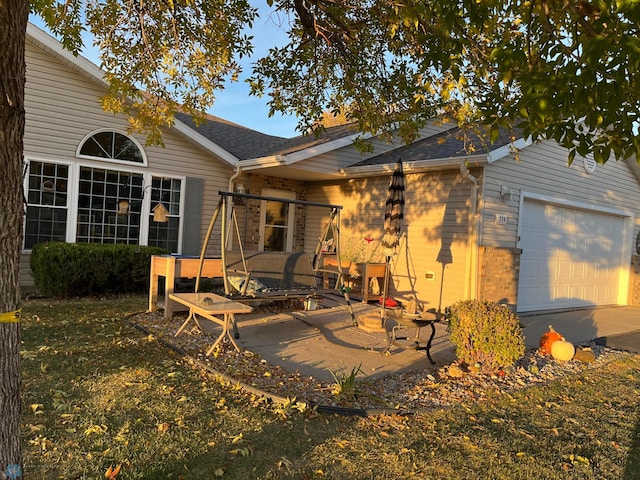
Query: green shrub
[[485, 333], [82, 269]]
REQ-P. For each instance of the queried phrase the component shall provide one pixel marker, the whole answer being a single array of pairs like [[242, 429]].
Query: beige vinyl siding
[[542, 170], [435, 222], [62, 108]]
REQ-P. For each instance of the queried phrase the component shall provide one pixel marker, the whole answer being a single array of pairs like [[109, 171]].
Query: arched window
[[110, 145]]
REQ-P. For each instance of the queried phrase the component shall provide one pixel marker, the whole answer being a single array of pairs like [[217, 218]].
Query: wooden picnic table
[[211, 306]]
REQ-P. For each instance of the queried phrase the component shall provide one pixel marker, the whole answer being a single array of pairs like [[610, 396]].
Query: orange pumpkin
[[547, 339]]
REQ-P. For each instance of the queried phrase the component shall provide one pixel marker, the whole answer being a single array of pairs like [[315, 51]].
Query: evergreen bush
[[485, 334], [82, 269]]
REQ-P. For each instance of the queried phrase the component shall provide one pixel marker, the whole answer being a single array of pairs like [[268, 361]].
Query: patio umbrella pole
[[385, 285], [393, 215]]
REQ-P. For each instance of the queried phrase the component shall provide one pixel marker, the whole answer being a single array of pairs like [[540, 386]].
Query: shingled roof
[[245, 143], [448, 144]]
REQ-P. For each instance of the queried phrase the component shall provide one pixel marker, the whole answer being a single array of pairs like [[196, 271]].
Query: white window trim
[[285, 195], [112, 160], [72, 194]]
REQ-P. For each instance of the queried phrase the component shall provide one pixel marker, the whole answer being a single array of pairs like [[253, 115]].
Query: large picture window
[[89, 203], [109, 206], [47, 197]]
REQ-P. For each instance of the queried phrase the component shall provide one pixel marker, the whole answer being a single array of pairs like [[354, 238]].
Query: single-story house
[[511, 222]]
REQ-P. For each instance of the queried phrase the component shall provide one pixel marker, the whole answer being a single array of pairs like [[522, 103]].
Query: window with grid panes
[[101, 216], [165, 191], [47, 203]]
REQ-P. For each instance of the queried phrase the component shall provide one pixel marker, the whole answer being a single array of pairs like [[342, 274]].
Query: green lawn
[[98, 392]]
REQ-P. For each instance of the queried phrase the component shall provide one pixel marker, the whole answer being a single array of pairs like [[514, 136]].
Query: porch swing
[[257, 276]]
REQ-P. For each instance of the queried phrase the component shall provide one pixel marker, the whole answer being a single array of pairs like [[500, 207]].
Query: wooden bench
[[211, 306]]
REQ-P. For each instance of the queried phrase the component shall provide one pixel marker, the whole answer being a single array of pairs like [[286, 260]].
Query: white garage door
[[570, 257]]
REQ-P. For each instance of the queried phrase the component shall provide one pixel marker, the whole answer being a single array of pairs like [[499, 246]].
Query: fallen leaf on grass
[[245, 452], [112, 472], [579, 460], [285, 462], [95, 429], [36, 428]]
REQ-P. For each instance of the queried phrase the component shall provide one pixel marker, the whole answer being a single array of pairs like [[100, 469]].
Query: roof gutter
[[472, 240], [263, 162], [419, 166]]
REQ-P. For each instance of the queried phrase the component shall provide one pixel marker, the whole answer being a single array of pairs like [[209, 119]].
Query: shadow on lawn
[[632, 466]]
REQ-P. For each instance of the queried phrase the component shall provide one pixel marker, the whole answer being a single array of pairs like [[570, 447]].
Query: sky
[[234, 102]]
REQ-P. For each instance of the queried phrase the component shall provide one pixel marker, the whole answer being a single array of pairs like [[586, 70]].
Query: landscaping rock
[[585, 355]]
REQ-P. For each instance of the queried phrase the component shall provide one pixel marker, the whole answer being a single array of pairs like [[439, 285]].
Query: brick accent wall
[[249, 216], [634, 281], [498, 274]]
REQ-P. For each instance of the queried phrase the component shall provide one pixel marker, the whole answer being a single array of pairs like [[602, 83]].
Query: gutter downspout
[[233, 177], [471, 282]]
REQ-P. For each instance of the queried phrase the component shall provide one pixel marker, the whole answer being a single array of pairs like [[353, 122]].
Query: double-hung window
[[47, 198]]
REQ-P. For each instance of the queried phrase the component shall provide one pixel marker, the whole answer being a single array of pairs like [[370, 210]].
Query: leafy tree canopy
[[566, 70], [159, 56]]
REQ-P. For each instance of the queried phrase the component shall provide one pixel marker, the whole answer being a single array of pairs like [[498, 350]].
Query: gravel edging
[[274, 398], [399, 394]]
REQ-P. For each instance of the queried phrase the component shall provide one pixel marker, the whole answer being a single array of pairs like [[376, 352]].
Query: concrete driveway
[[615, 327]]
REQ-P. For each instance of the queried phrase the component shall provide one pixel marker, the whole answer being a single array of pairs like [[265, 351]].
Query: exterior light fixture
[[505, 192]]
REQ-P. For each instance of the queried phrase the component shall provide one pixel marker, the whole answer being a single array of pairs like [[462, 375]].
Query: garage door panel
[[570, 257], [563, 270]]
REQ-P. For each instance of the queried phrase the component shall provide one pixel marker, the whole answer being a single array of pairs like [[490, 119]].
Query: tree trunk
[[14, 15]]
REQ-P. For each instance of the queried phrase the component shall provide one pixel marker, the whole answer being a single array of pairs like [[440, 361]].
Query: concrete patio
[[324, 343]]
